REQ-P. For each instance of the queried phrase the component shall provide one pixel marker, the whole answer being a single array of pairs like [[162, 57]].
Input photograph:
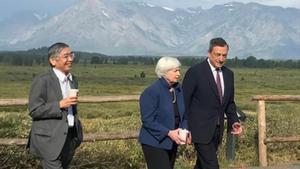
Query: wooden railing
[[103, 136], [82, 99], [261, 115]]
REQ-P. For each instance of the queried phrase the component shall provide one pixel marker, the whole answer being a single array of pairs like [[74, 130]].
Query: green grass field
[[283, 118]]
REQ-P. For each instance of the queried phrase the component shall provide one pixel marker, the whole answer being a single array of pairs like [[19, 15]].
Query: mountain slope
[[141, 28]]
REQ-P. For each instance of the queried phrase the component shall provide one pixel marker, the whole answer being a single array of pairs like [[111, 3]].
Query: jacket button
[[65, 133]]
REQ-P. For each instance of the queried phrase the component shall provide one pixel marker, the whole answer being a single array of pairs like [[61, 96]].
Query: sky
[[8, 7], [54, 6]]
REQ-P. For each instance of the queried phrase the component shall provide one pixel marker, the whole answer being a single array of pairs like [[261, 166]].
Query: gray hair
[[55, 49], [165, 64]]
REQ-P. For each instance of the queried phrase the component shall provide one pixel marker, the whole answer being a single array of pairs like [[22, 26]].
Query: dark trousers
[[64, 159], [157, 158], [207, 153]]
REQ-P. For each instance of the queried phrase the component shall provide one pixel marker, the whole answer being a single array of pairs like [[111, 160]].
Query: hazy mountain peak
[[105, 14], [89, 4], [146, 4], [233, 4], [194, 10], [168, 8], [142, 28], [40, 16]]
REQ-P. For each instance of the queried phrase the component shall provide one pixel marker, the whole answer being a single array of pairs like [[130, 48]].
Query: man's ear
[[52, 61]]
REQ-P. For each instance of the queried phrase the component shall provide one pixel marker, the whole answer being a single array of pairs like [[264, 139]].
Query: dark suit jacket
[[157, 114], [49, 122], [203, 107]]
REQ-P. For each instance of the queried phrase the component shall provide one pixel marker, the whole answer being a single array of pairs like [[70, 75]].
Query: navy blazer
[[203, 107], [157, 114]]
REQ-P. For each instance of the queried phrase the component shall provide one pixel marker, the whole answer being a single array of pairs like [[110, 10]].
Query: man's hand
[[236, 128], [68, 101]]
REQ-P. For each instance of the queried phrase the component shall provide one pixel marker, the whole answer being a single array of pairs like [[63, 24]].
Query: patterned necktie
[[70, 115], [65, 87], [218, 82]]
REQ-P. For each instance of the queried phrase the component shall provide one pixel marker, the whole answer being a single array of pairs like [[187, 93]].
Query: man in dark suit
[[209, 93], [56, 130]]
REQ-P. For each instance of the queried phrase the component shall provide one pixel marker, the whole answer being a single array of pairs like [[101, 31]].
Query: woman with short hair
[[163, 117]]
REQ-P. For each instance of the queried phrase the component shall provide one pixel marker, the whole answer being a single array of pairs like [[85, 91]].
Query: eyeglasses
[[69, 55]]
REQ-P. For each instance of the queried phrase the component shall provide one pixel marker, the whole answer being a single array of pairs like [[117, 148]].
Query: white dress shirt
[[214, 71], [65, 88]]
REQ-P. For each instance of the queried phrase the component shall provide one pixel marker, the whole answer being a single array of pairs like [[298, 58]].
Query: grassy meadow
[[283, 118]]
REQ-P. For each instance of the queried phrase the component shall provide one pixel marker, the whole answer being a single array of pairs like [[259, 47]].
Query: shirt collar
[[211, 66], [166, 84], [61, 76]]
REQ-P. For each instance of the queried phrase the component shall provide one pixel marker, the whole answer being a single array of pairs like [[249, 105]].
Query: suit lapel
[[226, 85], [56, 85], [211, 80], [72, 83]]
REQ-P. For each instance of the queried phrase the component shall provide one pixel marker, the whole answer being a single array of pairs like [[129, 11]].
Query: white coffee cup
[[183, 134], [73, 92], [70, 118]]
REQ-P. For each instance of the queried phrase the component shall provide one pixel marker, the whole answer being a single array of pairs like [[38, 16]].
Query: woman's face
[[172, 76]]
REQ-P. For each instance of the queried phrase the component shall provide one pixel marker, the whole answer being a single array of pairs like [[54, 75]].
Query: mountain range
[[136, 28]]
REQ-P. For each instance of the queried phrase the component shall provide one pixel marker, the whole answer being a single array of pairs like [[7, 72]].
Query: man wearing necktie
[[208, 89], [56, 130]]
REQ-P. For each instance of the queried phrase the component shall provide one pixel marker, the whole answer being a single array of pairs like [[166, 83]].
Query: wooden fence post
[[262, 148]]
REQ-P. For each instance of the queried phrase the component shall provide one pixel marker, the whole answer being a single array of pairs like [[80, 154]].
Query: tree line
[[39, 57]]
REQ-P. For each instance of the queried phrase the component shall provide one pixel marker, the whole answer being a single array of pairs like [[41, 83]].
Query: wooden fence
[[261, 115], [103, 136], [82, 99]]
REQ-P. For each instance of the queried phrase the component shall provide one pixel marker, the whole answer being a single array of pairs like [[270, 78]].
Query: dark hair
[[217, 42], [55, 49]]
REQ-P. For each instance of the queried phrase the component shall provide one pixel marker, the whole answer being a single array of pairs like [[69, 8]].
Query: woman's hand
[[174, 135], [189, 138]]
